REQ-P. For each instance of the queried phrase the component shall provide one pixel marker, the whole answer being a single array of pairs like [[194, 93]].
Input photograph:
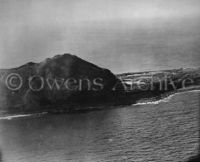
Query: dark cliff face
[[61, 81]]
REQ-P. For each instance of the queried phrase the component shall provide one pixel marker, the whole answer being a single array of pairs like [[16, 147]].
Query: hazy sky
[[122, 35]]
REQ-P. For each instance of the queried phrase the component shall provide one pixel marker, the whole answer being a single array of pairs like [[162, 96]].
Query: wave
[[167, 99], [21, 116], [163, 100]]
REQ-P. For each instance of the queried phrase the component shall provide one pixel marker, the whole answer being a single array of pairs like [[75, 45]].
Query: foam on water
[[20, 116], [167, 99], [163, 100]]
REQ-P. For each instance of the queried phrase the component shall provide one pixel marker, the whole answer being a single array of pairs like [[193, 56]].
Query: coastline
[[167, 98], [97, 87]]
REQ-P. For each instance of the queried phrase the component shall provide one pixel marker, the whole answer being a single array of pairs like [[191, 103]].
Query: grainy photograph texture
[[99, 80]]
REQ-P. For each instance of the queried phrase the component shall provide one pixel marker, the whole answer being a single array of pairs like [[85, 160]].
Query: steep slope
[[62, 82]]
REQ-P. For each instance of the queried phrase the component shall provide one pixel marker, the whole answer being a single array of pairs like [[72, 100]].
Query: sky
[[122, 35]]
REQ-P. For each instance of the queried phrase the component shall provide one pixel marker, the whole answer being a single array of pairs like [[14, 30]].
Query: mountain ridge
[[44, 87], [63, 67]]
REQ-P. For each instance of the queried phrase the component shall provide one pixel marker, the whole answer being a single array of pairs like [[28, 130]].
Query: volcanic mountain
[[61, 82], [67, 83]]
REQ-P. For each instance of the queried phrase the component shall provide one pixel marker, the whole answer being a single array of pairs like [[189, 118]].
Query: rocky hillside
[[61, 82], [67, 83]]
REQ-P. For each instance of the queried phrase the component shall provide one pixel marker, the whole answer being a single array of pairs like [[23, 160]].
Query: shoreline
[[165, 99], [117, 90]]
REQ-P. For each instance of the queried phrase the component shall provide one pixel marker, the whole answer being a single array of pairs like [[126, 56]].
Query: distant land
[[67, 83]]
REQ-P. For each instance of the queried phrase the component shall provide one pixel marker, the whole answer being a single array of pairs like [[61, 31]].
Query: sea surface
[[163, 131]]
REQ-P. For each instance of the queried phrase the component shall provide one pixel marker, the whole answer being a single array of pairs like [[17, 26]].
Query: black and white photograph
[[99, 80]]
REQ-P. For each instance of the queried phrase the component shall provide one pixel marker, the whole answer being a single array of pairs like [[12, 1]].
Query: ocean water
[[167, 130]]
